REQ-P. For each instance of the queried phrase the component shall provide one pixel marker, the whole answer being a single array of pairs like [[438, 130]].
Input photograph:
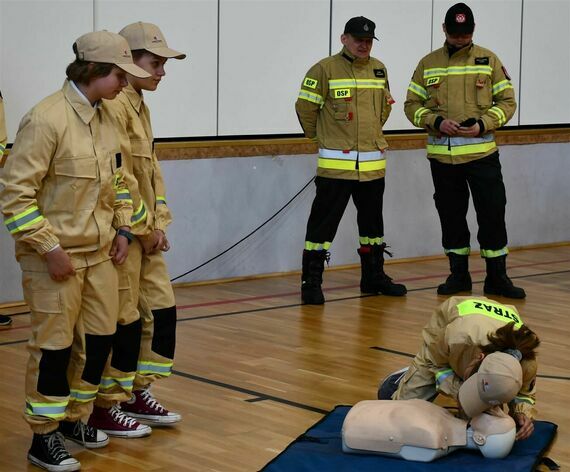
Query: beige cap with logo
[[497, 381], [110, 48], [149, 37]]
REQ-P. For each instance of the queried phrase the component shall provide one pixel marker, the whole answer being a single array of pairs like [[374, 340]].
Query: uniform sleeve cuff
[[437, 122], [48, 245]]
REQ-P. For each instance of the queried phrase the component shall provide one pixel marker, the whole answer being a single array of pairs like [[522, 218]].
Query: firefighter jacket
[[470, 84], [344, 102], [3, 134], [453, 336], [62, 181], [143, 174]]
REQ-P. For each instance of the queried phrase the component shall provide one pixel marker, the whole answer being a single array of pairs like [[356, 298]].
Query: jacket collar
[[451, 51], [351, 58], [82, 107], [134, 97]]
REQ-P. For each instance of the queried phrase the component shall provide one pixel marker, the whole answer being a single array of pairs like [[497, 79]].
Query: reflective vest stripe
[[140, 215], [418, 90], [83, 396], [337, 164], [357, 83], [160, 200], [365, 240], [2, 149], [489, 254], [460, 140], [351, 155], [502, 85], [125, 382], [500, 114], [154, 368], [457, 70], [524, 399], [460, 150], [418, 115], [311, 97], [21, 221], [309, 246], [50, 410]]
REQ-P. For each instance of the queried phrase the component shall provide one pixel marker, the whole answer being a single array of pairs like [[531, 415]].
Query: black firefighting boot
[[312, 278], [497, 282], [459, 280], [374, 279]]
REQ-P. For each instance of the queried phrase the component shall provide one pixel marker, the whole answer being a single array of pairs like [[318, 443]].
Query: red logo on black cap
[[460, 18]]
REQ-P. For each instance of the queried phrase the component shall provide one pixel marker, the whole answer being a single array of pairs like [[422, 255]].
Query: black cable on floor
[[247, 236]]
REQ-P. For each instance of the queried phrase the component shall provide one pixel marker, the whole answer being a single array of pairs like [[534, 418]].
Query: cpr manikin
[[417, 430]]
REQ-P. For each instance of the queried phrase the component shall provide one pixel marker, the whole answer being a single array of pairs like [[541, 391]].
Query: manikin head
[[493, 433]]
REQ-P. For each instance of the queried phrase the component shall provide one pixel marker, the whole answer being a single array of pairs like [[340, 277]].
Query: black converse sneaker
[[83, 434], [48, 452]]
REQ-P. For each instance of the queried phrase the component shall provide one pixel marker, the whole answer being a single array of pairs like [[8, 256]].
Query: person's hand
[[449, 127], [525, 426], [469, 131], [162, 243], [120, 247], [59, 264]]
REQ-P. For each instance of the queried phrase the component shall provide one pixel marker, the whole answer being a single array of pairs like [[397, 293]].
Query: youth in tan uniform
[[66, 205], [456, 340], [4, 320], [138, 360]]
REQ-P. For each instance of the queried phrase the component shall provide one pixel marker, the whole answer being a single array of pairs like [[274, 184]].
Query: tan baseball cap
[[149, 37], [111, 48], [498, 381]]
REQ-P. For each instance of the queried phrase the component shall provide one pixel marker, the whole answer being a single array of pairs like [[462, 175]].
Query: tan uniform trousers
[[61, 314], [144, 286], [419, 381]]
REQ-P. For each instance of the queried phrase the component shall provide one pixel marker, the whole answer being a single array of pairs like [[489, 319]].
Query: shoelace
[[151, 401], [122, 418], [56, 447], [85, 431]]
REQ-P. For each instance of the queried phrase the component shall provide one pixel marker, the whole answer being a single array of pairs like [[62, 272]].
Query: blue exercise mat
[[320, 449]]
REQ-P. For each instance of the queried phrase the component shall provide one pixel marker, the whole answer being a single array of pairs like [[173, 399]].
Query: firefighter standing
[[343, 103], [65, 203], [143, 347], [4, 320], [460, 94]]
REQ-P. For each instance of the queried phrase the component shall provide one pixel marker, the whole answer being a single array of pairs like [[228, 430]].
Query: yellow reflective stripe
[[489, 254], [365, 240], [23, 220], [460, 150], [311, 97], [309, 246], [462, 251], [358, 83], [160, 200], [500, 114], [418, 90], [54, 410], [458, 70], [339, 164], [140, 215], [502, 85], [418, 115], [524, 399], [441, 375], [123, 194], [490, 309]]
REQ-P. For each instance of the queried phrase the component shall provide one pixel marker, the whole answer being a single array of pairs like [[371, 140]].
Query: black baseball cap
[[459, 19], [360, 27]]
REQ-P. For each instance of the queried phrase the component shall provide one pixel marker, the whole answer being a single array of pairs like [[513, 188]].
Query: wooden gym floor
[[254, 368]]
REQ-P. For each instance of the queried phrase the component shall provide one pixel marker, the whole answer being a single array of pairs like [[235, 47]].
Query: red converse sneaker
[[145, 408], [115, 423]]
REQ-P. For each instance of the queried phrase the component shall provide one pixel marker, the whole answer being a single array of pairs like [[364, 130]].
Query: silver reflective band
[[352, 155], [460, 140]]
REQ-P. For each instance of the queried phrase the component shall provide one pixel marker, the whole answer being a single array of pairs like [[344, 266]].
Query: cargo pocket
[[142, 157], [484, 91], [52, 329]]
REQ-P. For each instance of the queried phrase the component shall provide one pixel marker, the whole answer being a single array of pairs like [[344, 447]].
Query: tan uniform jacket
[[3, 133], [452, 337], [61, 181], [344, 102], [144, 177], [472, 83]]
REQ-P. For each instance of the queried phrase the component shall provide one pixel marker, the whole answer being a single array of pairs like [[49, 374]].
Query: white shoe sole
[[54, 468], [155, 420], [129, 434]]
